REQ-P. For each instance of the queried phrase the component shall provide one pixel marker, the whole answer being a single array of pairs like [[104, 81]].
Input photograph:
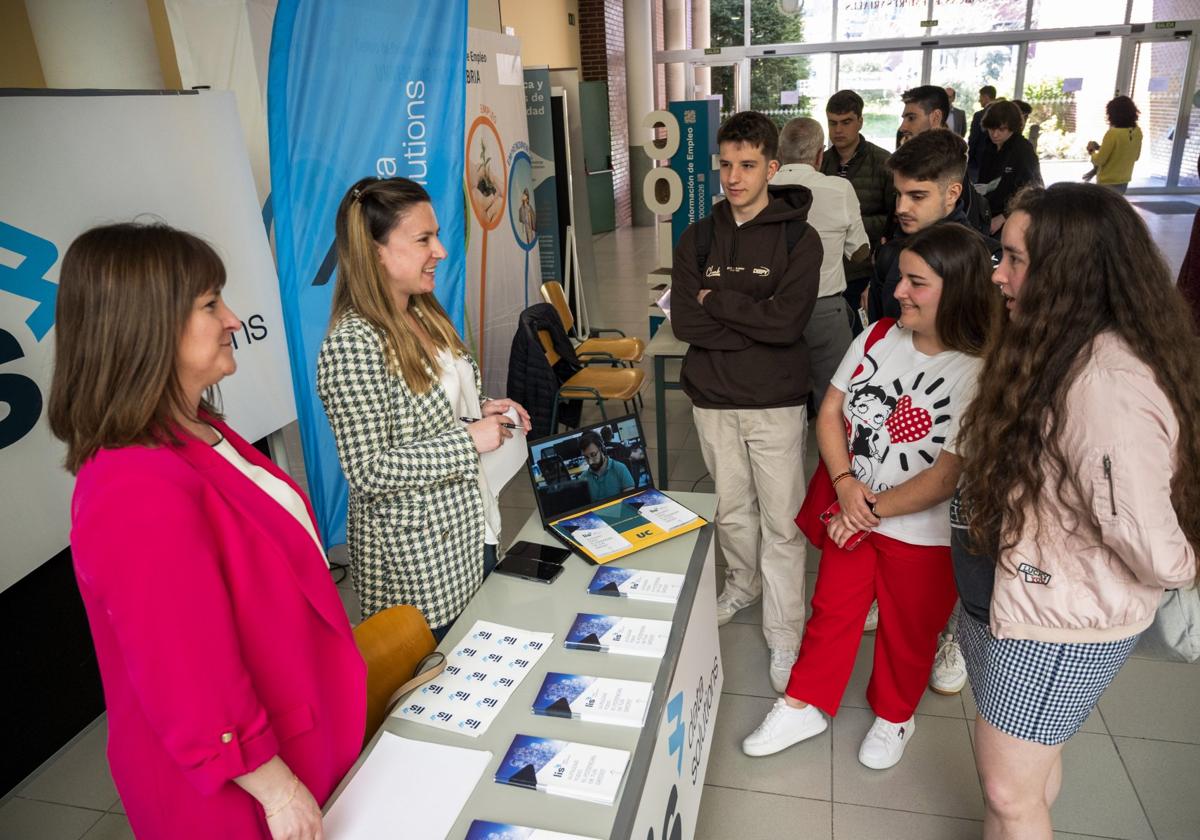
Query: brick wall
[[602, 59]]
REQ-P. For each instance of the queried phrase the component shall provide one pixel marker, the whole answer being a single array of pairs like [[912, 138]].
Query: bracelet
[[840, 476], [288, 801]]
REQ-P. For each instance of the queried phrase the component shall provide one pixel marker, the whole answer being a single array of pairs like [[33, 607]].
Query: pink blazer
[[220, 636]]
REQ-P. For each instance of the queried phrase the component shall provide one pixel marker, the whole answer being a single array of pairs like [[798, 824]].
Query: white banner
[[69, 163], [503, 264]]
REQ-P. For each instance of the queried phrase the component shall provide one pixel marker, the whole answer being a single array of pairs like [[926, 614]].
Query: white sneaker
[[872, 618], [782, 727], [782, 661], [949, 668], [885, 742], [727, 607]]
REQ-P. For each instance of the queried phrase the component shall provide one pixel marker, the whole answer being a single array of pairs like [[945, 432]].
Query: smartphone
[[528, 568], [554, 554], [855, 539]]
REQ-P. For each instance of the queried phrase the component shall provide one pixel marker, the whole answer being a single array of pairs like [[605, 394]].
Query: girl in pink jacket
[[1079, 503]]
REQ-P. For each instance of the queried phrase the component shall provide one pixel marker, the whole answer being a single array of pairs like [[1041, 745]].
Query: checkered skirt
[[1037, 691]]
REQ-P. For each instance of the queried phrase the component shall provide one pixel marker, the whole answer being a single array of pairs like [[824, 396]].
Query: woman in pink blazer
[[236, 696]]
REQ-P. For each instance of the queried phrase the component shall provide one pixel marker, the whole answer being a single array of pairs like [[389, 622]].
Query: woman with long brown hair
[[235, 693], [396, 380], [1079, 490]]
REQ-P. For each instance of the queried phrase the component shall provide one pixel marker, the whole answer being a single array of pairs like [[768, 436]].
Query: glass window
[[769, 24], [880, 78], [967, 69], [727, 23], [798, 86], [1051, 14], [865, 20], [955, 16], [1068, 84], [1145, 11], [722, 86], [1188, 167]]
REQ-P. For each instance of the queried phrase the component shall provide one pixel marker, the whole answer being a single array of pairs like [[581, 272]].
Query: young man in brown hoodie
[[744, 284]]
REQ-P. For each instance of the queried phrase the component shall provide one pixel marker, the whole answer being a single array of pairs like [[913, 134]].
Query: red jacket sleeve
[[149, 564]]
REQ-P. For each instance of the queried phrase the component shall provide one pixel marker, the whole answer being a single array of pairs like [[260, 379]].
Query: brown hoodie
[[747, 339]]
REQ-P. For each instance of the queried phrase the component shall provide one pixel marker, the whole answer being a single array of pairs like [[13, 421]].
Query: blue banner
[[693, 161], [369, 87]]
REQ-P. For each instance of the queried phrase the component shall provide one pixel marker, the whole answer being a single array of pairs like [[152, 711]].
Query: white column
[[87, 44], [702, 39], [639, 98], [675, 38]]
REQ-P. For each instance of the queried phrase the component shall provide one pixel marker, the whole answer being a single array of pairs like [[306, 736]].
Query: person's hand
[[489, 433], [840, 531], [702, 295], [500, 406], [1093, 146], [853, 498], [296, 819], [997, 223]]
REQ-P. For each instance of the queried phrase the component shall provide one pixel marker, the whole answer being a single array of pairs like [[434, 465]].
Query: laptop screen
[[589, 466]]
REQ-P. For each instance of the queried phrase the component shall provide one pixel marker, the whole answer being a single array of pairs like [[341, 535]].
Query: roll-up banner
[[539, 115], [374, 87], [70, 162], [693, 161], [503, 269]]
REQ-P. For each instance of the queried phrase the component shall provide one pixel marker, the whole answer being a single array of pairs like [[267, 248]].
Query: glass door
[[716, 81], [1157, 85], [880, 78]]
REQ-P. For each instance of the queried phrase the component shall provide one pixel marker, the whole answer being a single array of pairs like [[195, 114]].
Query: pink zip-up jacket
[[1097, 569]]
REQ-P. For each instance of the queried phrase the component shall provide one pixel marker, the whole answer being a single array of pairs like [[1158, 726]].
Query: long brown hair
[[1092, 268], [969, 307], [368, 213], [125, 293]]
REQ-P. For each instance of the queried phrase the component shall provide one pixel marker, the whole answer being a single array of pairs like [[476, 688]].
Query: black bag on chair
[[532, 381]]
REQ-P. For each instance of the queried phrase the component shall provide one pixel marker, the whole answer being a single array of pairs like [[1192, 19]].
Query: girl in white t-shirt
[[881, 430]]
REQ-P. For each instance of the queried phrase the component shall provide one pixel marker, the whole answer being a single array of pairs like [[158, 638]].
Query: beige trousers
[[756, 458]]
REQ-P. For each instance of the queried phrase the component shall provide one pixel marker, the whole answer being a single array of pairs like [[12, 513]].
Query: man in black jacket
[[977, 138], [928, 172], [741, 298]]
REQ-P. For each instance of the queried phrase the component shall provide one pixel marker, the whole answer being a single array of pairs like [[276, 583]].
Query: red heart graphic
[[907, 423]]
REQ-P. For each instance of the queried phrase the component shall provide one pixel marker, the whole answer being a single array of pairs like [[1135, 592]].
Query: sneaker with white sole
[[949, 673], [884, 745], [872, 621], [782, 661], [782, 727], [728, 607]]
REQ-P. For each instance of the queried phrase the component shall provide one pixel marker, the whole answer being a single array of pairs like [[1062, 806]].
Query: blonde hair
[[368, 213]]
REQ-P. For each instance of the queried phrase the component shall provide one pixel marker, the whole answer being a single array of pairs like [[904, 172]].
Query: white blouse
[[458, 381], [276, 488]]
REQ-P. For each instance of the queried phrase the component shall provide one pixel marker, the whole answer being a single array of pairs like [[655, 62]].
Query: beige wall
[[546, 37], [484, 14], [19, 64]]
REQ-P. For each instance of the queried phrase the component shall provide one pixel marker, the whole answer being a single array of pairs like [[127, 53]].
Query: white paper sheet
[[500, 465], [406, 788]]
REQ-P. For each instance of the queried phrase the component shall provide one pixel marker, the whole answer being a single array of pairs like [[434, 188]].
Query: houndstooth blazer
[[415, 525]]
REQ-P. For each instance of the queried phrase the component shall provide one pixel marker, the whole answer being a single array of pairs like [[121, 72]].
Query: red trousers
[[914, 585]]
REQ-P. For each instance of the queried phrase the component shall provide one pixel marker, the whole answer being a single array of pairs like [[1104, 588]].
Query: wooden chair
[[594, 383], [622, 349], [392, 643]]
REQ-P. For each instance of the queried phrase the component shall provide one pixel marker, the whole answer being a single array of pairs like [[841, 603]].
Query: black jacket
[[747, 338], [531, 380], [881, 301], [1015, 164]]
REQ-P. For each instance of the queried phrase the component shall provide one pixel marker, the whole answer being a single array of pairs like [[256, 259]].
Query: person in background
[[957, 120], [1031, 132], [1113, 160], [977, 139], [395, 379], [835, 214], [900, 397], [864, 165], [606, 477], [743, 313], [1014, 163], [1079, 504], [925, 108], [236, 697]]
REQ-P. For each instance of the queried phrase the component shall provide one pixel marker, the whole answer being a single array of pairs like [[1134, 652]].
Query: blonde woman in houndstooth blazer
[[395, 378]]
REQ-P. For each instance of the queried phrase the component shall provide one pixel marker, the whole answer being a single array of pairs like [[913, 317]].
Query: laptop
[[596, 494]]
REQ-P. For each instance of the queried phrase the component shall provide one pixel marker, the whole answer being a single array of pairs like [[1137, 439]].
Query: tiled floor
[[1131, 773]]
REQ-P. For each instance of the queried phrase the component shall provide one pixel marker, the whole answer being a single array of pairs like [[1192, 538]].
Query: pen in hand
[[477, 419]]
